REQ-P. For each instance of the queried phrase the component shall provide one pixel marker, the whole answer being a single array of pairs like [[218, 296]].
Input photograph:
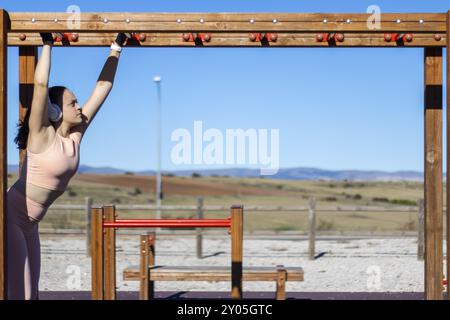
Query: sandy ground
[[343, 265]]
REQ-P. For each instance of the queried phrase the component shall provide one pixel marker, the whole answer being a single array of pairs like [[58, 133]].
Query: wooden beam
[[237, 239], [143, 268], [433, 173], [213, 273], [4, 22], [27, 65], [109, 254], [147, 260], [237, 39], [97, 268], [281, 282], [151, 261], [235, 22], [448, 153]]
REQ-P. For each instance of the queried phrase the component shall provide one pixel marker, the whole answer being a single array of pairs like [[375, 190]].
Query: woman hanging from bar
[[51, 133]]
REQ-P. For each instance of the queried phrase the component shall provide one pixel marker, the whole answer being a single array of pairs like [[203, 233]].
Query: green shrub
[[357, 216], [70, 192], [354, 185], [380, 199], [135, 192], [285, 228], [404, 202]]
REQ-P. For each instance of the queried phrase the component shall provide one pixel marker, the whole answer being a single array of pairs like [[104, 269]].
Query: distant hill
[[82, 169], [287, 174], [311, 174]]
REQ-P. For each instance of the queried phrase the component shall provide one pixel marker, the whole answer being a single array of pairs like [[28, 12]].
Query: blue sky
[[335, 108]]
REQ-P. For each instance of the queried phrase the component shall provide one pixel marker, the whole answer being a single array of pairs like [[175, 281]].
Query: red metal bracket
[[194, 36], [398, 37], [329, 37], [263, 36], [71, 37]]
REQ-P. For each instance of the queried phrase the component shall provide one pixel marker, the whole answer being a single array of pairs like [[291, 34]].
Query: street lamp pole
[[157, 80]]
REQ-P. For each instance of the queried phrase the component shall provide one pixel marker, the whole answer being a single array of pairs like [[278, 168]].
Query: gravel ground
[[342, 265]]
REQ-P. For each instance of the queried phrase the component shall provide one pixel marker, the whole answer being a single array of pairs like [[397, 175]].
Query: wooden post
[[143, 267], [27, 65], [151, 261], [420, 231], [147, 259], [448, 153], [237, 239], [281, 283], [433, 173], [88, 214], [312, 228], [97, 254], [109, 255], [199, 230], [4, 25]]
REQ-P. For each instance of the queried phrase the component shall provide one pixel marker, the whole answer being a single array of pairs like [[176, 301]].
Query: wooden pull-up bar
[[233, 29], [238, 39]]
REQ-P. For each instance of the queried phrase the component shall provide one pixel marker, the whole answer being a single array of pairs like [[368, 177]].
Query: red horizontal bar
[[174, 220], [169, 223]]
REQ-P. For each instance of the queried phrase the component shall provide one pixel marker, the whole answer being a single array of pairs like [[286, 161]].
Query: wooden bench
[[147, 273]]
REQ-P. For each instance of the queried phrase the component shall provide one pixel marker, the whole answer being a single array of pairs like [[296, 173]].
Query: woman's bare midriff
[[38, 194]]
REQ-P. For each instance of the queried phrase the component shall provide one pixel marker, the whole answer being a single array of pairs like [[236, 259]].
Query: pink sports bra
[[53, 168]]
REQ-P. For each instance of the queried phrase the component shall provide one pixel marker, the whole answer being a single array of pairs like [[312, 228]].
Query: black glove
[[121, 38], [46, 37]]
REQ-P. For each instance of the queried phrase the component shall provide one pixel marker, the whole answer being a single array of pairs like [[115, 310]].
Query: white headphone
[[53, 111]]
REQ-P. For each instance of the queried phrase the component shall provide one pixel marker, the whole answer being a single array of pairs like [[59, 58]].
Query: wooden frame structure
[[430, 31], [103, 250]]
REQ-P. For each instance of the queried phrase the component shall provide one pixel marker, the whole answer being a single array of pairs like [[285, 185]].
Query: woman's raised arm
[[38, 114], [104, 82]]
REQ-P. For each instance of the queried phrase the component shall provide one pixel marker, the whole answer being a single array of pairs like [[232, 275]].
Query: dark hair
[[55, 94]]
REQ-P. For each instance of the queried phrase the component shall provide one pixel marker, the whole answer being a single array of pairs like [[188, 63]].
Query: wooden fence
[[311, 209]]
